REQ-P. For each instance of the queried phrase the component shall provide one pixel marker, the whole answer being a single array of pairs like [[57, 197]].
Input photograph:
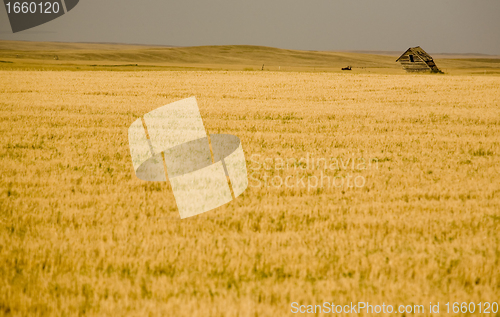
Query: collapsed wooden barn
[[415, 59]]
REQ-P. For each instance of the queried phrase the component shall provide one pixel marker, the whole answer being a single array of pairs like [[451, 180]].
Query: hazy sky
[[450, 26]]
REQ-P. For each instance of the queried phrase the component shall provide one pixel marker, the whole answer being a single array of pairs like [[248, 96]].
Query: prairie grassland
[[80, 235], [18, 55]]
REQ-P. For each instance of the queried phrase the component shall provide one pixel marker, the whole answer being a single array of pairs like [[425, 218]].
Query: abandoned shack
[[415, 59]]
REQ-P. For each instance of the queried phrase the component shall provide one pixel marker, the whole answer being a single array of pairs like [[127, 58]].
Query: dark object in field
[[262, 66], [347, 68], [415, 59]]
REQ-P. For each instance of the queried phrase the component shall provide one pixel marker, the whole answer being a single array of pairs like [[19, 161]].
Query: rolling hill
[[15, 54]]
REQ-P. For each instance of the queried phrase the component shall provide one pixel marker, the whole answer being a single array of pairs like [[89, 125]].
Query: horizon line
[[365, 51]]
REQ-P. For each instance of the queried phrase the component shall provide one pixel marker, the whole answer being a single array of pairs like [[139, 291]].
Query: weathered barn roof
[[418, 51]]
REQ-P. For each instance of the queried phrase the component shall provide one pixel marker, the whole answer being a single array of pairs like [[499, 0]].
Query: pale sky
[[438, 26]]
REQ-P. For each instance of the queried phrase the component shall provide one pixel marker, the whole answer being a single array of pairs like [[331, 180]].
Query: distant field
[[81, 235], [77, 56]]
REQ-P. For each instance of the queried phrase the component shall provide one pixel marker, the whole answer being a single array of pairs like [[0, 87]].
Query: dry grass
[[79, 234], [18, 55]]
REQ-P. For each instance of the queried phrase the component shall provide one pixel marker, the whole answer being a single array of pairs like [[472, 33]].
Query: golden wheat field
[[393, 194]]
